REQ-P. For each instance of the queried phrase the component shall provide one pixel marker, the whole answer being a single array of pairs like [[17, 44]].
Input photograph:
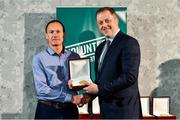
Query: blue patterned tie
[[106, 46]]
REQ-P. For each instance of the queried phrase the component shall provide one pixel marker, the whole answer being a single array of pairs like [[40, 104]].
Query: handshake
[[80, 100]]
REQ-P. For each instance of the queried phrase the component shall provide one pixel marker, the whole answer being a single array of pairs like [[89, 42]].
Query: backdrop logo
[[86, 48]]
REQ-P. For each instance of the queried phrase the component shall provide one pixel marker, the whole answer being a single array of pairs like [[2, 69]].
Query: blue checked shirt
[[51, 73]]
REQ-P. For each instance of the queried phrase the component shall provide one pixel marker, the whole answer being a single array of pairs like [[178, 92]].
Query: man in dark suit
[[116, 70]]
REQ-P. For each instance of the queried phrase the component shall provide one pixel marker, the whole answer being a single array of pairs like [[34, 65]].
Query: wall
[[155, 23]]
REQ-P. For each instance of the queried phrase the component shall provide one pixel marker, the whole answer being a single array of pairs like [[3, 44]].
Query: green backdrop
[[82, 35]]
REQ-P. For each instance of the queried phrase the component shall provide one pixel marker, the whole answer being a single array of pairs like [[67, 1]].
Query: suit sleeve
[[128, 75]]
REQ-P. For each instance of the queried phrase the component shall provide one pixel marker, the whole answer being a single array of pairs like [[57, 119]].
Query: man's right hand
[[80, 100], [86, 98], [76, 99]]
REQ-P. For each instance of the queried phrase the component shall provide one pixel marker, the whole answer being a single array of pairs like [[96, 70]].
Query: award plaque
[[145, 103], [161, 107], [79, 72], [146, 110]]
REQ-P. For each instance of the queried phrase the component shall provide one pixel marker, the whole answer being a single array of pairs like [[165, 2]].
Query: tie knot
[[108, 42]]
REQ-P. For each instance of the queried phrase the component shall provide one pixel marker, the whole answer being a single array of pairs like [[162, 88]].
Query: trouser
[[53, 110]]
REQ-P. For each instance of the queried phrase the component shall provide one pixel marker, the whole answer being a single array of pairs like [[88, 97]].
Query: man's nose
[[104, 24], [55, 33]]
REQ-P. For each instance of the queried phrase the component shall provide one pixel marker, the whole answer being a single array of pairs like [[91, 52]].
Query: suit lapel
[[100, 50], [98, 54], [111, 48]]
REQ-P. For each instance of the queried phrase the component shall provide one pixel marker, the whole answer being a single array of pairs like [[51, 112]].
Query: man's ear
[[46, 36]]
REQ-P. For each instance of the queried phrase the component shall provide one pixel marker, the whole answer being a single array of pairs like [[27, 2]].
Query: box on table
[[161, 107], [145, 105]]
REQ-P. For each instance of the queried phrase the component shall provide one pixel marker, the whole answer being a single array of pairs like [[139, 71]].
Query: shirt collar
[[51, 51], [111, 39], [116, 32]]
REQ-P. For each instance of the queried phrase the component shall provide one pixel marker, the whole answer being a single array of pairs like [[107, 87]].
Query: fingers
[[76, 99], [87, 88], [91, 89], [86, 83], [80, 105], [86, 98], [70, 84], [80, 100]]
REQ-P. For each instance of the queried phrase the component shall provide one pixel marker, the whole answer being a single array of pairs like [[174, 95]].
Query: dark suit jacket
[[118, 80]]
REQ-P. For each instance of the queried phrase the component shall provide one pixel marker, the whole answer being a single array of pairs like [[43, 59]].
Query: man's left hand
[[91, 88]]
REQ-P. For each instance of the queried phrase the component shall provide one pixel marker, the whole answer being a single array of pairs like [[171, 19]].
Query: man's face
[[107, 23], [55, 34]]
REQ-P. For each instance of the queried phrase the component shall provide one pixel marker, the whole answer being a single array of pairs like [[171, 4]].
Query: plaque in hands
[[80, 73]]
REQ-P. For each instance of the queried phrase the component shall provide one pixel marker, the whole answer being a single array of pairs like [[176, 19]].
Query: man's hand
[[86, 98], [76, 99], [91, 88], [70, 84]]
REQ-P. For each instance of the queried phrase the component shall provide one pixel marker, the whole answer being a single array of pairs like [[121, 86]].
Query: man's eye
[[100, 22], [51, 31], [57, 31]]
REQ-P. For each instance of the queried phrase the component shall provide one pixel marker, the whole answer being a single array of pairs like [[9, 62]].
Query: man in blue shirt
[[51, 73]]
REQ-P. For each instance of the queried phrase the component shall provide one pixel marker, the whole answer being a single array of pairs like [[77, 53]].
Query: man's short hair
[[53, 21], [111, 10]]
